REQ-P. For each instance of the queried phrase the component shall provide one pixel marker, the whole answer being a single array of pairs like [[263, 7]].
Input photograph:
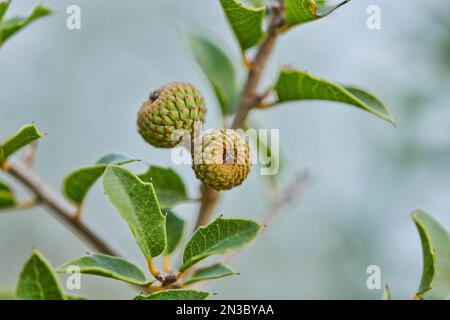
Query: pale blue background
[[83, 88]]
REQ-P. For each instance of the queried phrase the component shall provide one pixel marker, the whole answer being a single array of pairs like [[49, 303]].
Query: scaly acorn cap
[[222, 160], [174, 106]]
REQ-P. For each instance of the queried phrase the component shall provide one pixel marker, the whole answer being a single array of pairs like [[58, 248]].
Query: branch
[[249, 99], [285, 197], [57, 206]]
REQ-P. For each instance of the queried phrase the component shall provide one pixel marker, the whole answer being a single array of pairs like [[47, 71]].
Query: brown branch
[[249, 99], [59, 207], [249, 96]]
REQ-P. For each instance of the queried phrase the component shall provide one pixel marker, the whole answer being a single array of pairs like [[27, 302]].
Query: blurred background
[[83, 88]]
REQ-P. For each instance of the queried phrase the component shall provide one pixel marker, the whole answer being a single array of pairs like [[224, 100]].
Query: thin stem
[[167, 278], [60, 208], [167, 267], [154, 288], [4, 166], [26, 204], [29, 157], [280, 199], [78, 213], [249, 96], [249, 99]]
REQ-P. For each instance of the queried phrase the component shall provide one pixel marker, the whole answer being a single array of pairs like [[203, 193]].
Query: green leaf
[[294, 85], [216, 271], [169, 186], [302, 11], [7, 197], [435, 283], [179, 294], [246, 22], [3, 8], [218, 68], [137, 204], [37, 280], [220, 236], [20, 139], [77, 184], [109, 267], [175, 230], [11, 26]]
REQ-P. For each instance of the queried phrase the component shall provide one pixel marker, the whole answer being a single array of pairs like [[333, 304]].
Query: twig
[[26, 204], [60, 208], [29, 157], [249, 99], [249, 96], [209, 201]]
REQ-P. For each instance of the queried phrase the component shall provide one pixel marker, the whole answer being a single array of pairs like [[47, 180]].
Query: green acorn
[[175, 106], [222, 159]]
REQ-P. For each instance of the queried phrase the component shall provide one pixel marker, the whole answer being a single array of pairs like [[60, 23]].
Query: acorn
[[174, 106], [222, 159]]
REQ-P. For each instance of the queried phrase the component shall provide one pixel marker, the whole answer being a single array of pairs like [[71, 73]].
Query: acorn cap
[[222, 160], [174, 106]]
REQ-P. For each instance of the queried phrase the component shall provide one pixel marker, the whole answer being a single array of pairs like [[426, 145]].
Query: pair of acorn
[[221, 160]]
